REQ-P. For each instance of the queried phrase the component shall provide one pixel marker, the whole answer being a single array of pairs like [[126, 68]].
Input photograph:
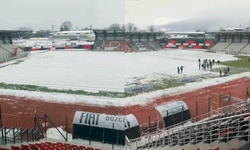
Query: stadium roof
[[12, 32], [184, 33], [230, 33], [126, 33]]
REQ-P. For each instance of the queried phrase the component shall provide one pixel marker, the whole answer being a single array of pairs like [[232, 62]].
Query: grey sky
[[157, 12], [41, 14]]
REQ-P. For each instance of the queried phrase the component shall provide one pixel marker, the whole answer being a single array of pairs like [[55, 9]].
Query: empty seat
[[15, 148]]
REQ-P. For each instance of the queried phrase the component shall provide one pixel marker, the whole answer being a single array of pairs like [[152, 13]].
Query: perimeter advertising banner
[[115, 122], [139, 89]]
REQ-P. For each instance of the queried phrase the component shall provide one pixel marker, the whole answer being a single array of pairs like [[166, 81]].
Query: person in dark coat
[[207, 65], [213, 61], [178, 69], [199, 66], [228, 70], [199, 60], [218, 62], [220, 73], [182, 68]]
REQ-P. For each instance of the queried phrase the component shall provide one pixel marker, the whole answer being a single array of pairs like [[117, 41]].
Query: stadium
[[120, 87], [142, 101]]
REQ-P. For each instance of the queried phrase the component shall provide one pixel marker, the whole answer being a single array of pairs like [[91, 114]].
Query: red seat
[[90, 148], [15, 148], [82, 147]]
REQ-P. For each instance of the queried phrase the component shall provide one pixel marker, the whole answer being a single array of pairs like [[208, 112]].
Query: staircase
[[226, 130]]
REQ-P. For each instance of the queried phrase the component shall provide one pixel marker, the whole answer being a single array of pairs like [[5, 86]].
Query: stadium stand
[[229, 128], [116, 45], [235, 48], [143, 46], [220, 46], [98, 45], [245, 50], [49, 146], [155, 45], [128, 41]]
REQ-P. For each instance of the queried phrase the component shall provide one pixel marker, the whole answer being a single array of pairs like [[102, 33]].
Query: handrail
[[224, 131], [6, 49], [65, 138], [208, 114], [242, 104]]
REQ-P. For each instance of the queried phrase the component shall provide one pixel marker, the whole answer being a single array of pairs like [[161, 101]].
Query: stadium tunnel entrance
[[174, 112], [105, 128]]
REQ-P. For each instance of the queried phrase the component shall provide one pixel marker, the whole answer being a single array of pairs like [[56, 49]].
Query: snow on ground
[[154, 65], [141, 99], [105, 71], [89, 71]]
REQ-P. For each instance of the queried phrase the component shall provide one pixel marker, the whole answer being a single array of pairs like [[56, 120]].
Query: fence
[[17, 135], [221, 129], [236, 107], [8, 57]]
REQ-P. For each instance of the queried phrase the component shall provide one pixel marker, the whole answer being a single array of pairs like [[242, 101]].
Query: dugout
[[174, 112], [105, 128]]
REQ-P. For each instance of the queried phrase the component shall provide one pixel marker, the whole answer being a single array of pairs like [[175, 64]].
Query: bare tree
[[123, 26], [66, 26], [115, 26], [151, 28], [135, 28], [130, 26], [86, 28]]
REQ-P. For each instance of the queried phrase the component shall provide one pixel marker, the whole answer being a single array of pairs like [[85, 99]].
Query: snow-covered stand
[[105, 128], [173, 112]]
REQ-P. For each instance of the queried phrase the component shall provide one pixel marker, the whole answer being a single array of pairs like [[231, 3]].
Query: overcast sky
[[158, 12], [41, 14]]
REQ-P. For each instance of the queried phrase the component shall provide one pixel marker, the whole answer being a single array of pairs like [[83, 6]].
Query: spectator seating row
[[50, 146]]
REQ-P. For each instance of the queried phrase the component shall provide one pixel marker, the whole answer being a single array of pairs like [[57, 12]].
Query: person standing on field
[[178, 69]]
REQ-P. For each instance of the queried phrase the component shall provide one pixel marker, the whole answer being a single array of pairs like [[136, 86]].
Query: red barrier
[[211, 44], [15, 52], [66, 47], [34, 49], [86, 46], [197, 47], [173, 42], [189, 42]]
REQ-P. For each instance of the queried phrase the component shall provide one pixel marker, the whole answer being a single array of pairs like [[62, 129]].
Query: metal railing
[[221, 129], [8, 57], [17, 135], [235, 108]]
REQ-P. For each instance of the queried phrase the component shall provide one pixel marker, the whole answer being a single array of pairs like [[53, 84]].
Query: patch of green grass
[[242, 62], [49, 90]]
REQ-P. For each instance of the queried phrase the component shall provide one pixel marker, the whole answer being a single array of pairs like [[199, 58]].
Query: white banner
[[121, 122], [109, 48], [139, 89], [186, 80]]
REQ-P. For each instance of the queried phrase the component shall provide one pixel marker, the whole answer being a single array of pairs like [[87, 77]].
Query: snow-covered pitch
[[108, 71]]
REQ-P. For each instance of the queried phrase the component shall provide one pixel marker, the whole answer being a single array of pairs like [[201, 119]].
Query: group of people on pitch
[[207, 64], [226, 72]]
